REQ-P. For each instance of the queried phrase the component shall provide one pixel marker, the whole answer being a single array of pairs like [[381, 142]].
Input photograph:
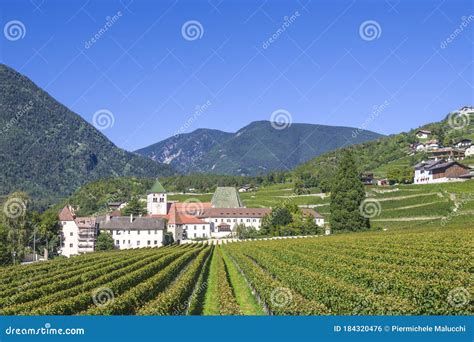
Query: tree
[[168, 238], [5, 256], [244, 232], [105, 242], [402, 175], [347, 196], [134, 207]]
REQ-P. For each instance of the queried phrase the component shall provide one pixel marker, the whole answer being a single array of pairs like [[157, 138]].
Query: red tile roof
[[66, 214]]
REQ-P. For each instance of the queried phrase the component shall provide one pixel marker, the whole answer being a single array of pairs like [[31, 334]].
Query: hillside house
[[367, 178], [423, 134], [463, 144], [466, 110], [448, 153], [432, 145], [469, 152], [439, 171]]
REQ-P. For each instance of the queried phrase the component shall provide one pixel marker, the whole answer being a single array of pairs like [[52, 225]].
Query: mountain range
[[254, 149], [49, 151]]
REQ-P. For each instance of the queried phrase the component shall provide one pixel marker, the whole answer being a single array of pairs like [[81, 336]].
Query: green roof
[[226, 197], [157, 188]]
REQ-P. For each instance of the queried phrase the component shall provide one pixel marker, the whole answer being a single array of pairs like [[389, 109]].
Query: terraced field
[[417, 272]]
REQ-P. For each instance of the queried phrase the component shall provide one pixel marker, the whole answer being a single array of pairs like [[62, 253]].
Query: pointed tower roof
[[226, 197], [66, 214], [157, 188]]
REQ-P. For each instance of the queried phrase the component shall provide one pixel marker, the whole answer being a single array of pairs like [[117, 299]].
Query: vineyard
[[417, 272]]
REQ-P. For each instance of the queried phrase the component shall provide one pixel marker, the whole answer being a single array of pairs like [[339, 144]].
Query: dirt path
[[412, 206], [407, 219], [405, 197]]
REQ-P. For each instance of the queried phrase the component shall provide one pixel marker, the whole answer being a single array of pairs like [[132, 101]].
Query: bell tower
[[157, 200]]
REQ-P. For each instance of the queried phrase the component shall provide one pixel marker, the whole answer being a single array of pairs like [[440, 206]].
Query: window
[[149, 232], [203, 227], [156, 242], [117, 242], [71, 234], [148, 242], [235, 220], [194, 227], [254, 220], [129, 242], [241, 220], [217, 220], [194, 234], [155, 200], [248, 220], [156, 232], [162, 200], [138, 232], [138, 242], [124, 242], [71, 245], [129, 231], [203, 235]]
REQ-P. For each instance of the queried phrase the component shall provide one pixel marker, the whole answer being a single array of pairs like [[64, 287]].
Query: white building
[[134, 232], [439, 171], [469, 151], [157, 202], [78, 234], [423, 134]]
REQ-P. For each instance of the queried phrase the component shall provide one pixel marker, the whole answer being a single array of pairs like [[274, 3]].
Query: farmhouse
[[446, 153], [439, 171], [423, 134], [469, 151], [463, 144]]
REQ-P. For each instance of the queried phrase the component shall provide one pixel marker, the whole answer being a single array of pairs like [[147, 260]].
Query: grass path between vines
[[243, 294], [247, 302], [211, 303]]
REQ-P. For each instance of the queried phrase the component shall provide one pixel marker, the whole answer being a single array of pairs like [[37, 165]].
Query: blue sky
[[413, 62]]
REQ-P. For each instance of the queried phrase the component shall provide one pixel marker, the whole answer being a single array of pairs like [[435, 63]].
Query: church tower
[[156, 200]]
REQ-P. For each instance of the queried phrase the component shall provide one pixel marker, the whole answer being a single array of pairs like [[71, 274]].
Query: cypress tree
[[347, 194]]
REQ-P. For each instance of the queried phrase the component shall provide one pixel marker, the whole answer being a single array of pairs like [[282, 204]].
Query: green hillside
[[383, 154], [49, 151]]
